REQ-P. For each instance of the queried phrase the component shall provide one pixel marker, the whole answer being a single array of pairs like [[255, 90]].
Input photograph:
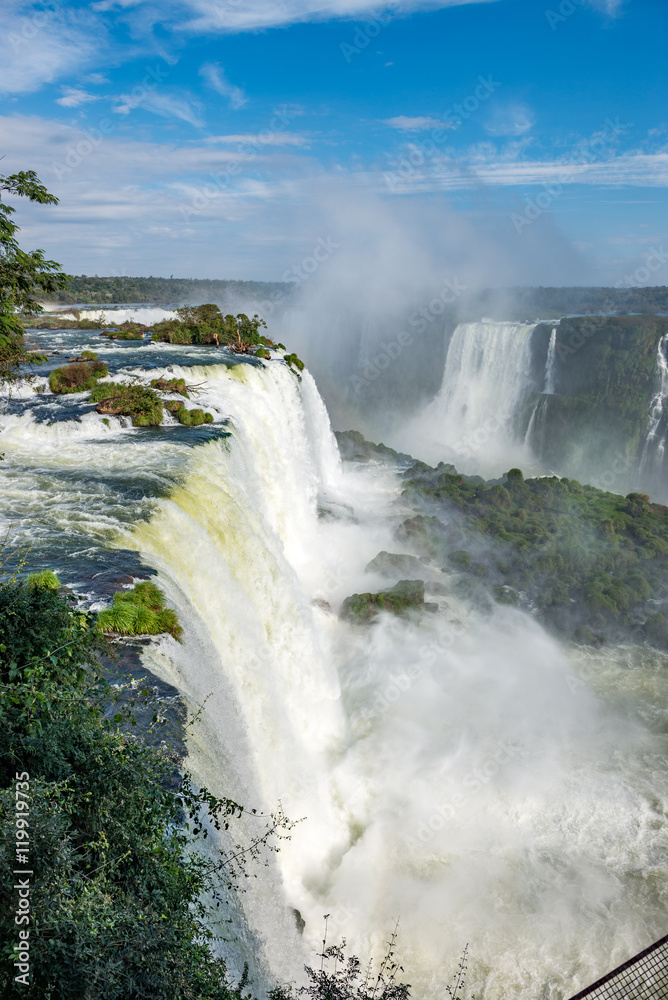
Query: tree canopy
[[23, 273]]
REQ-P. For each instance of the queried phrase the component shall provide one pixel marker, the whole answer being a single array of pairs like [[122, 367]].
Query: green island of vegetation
[[137, 401], [591, 565], [82, 376]]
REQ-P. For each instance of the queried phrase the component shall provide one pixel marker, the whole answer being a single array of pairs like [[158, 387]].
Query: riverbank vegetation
[[25, 276], [591, 564]]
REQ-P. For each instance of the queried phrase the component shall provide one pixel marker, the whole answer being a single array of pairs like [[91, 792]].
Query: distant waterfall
[[476, 419], [655, 440], [550, 364]]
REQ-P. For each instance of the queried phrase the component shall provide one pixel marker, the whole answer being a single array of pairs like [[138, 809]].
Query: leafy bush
[[45, 579], [193, 418], [136, 401], [79, 377], [140, 611], [294, 362]]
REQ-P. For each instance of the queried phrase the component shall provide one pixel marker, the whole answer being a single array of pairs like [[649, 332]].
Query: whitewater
[[467, 775]]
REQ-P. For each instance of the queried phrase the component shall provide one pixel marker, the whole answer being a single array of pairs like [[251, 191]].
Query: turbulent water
[[467, 776]]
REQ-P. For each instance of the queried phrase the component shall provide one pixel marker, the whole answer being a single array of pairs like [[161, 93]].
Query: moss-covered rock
[[394, 563], [136, 401], [193, 418], [353, 447], [140, 611], [406, 595], [77, 377]]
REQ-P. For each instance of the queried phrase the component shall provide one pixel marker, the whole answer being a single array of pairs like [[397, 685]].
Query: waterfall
[[464, 773], [475, 420], [443, 768], [550, 364], [651, 461]]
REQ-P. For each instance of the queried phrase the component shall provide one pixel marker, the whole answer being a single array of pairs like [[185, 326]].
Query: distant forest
[[509, 303], [83, 288], [532, 303]]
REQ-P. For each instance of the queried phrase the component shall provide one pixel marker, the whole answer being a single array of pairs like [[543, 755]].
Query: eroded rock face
[[404, 596]]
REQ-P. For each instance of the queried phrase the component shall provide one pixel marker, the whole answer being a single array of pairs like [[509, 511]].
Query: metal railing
[[644, 977]]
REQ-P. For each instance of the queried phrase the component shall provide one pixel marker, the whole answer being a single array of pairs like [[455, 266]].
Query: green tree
[[23, 274]]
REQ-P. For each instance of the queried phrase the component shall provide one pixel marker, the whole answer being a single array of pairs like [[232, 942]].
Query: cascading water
[[551, 364], [475, 421], [651, 462], [465, 774]]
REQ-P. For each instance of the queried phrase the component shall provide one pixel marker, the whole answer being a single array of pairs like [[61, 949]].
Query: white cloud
[[74, 96], [168, 105], [215, 77], [250, 15], [420, 124]]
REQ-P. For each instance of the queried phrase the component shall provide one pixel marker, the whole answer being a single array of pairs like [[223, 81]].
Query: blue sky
[[523, 141]]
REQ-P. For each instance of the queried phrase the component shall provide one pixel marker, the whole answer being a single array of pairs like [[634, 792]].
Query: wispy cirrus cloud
[[484, 166], [73, 97], [510, 120], [167, 105], [404, 123], [267, 138], [214, 75]]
